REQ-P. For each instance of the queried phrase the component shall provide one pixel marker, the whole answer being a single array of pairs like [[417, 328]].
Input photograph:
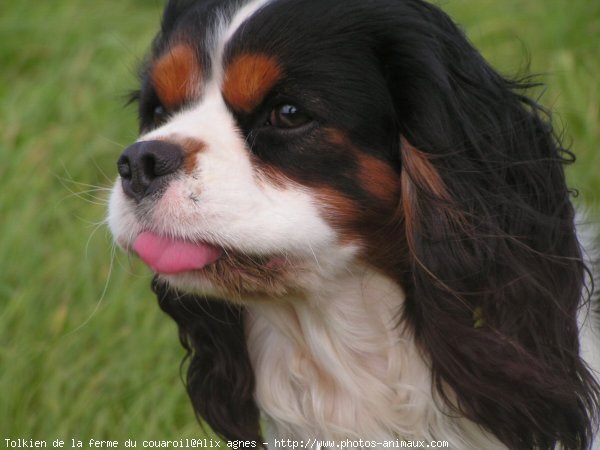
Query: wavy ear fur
[[220, 379], [497, 275]]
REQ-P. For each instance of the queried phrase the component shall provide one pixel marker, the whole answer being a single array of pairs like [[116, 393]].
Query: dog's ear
[[220, 379], [496, 272]]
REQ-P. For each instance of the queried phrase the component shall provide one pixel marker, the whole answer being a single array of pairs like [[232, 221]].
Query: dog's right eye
[[159, 114]]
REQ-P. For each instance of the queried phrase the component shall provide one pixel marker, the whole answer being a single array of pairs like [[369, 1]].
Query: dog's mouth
[[169, 256], [230, 271]]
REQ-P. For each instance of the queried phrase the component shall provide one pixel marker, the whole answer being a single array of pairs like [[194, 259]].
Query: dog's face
[[267, 155]]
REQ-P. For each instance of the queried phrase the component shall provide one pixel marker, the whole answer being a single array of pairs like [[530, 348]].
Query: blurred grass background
[[84, 350]]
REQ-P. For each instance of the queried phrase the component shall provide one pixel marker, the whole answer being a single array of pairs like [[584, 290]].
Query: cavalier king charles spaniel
[[362, 230]]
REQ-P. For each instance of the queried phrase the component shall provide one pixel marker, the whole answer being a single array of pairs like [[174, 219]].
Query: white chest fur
[[336, 365]]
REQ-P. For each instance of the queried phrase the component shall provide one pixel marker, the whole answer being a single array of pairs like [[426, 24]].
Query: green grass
[[84, 350]]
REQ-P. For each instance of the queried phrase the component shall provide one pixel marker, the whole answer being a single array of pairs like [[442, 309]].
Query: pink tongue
[[165, 255]]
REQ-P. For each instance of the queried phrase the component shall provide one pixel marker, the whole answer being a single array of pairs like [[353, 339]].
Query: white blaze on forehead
[[227, 32], [223, 32]]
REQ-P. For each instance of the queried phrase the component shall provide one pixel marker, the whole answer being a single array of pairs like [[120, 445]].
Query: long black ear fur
[[220, 379], [497, 274]]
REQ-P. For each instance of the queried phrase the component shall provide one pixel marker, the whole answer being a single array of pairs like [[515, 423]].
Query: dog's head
[[269, 156], [284, 142]]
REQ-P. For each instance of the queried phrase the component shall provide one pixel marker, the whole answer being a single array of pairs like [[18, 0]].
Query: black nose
[[144, 167]]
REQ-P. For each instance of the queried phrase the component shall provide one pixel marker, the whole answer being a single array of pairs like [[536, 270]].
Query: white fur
[[335, 365], [228, 30]]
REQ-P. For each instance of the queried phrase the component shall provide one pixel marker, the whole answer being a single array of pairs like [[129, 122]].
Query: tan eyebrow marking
[[248, 78], [176, 75]]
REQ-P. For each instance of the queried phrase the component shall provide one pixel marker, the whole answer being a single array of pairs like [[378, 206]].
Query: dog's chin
[[240, 278], [209, 269]]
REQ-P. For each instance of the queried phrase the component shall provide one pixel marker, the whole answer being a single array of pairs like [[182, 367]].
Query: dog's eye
[[287, 116], [159, 114]]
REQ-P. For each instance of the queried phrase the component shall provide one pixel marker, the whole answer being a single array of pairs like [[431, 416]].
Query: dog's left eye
[[287, 116]]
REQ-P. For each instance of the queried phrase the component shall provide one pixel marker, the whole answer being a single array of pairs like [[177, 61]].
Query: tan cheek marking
[[191, 148], [176, 75], [375, 176], [248, 79], [340, 212], [378, 179]]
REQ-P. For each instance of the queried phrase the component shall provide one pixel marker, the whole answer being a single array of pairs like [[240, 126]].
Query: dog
[[362, 230]]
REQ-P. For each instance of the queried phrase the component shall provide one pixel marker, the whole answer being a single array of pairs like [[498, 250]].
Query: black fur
[[220, 380]]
